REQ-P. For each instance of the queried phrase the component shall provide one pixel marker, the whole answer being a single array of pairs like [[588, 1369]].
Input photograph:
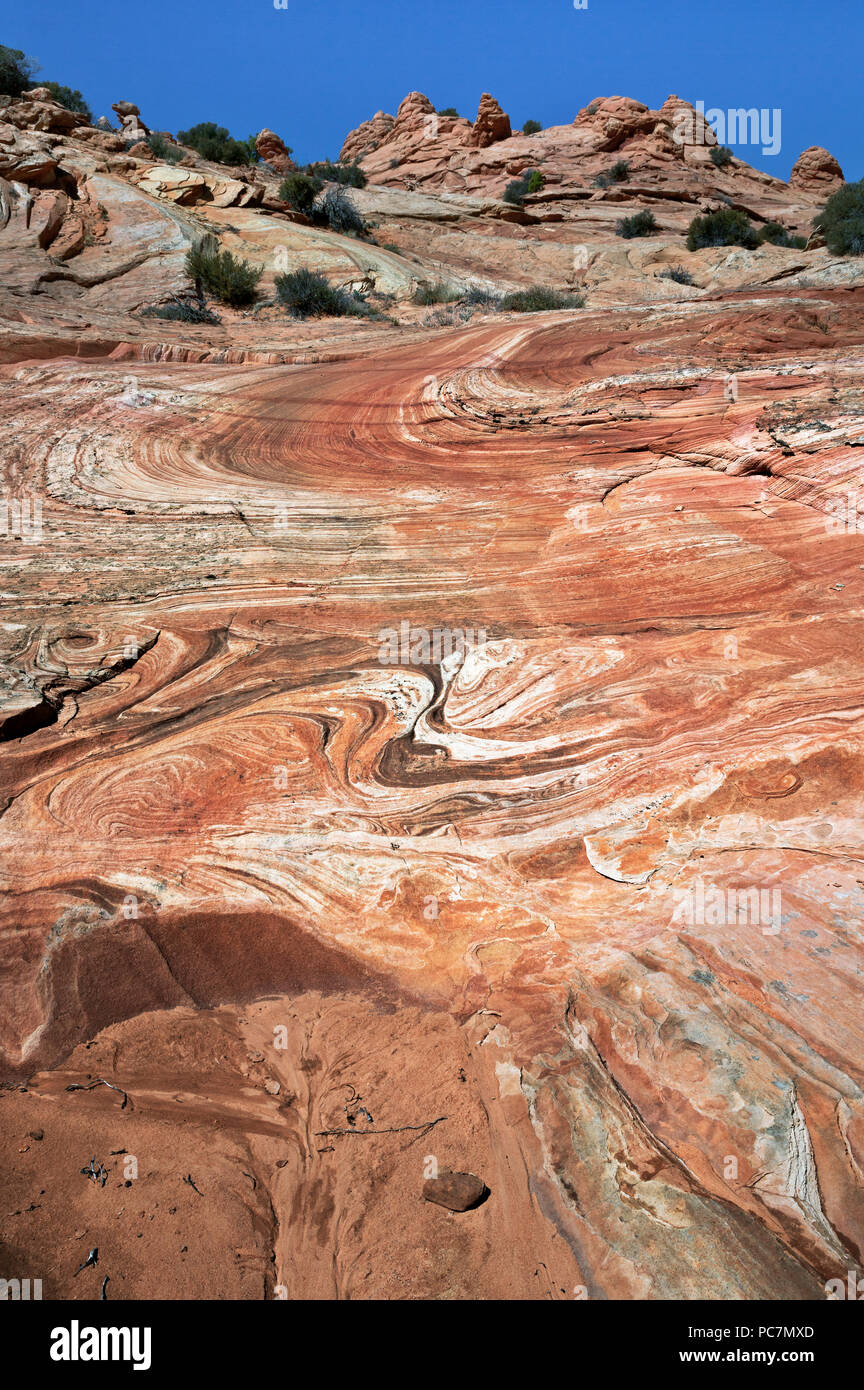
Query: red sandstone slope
[[273, 879]]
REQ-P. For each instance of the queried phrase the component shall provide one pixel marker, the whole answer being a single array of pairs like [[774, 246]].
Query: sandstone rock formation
[[271, 149], [817, 171], [492, 124], [579, 903], [132, 127]]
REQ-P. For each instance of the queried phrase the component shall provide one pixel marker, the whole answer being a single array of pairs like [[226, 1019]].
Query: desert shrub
[[16, 71], [602, 181], [449, 317], [448, 111], [482, 298], [437, 293], [391, 246], [350, 174], [539, 297], [726, 227], [213, 142], [226, 277], [71, 99], [589, 110], [678, 274], [531, 127], [778, 236], [339, 213], [162, 149], [300, 190], [620, 171], [640, 224], [721, 155], [518, 189], [395, 162], [182, 313], [309, 294], [841, 221]]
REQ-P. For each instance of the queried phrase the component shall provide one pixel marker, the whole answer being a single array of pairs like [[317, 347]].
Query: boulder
[[455, 1191], [816, 171]]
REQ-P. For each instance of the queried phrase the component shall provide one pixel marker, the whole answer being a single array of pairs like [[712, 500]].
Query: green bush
[[778, 236], [640, 224], [537, 298], [841, 221], [308, 294], [726, 227], [518, 189], [226, 277], [182, 313], [72, 100], [721, 155], [350, 174], [678, 274], [16, 71], [213, 142], [448, 111], [437, 293], [531, 128], [620, 171], [162, 149], [300, 190]]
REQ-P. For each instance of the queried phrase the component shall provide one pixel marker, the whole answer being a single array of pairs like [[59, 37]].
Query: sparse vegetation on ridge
[[16, 71], [350, 174], [163, 150], [213, 142], [641, 223], [300, 190], [841, 221], [725, 227]]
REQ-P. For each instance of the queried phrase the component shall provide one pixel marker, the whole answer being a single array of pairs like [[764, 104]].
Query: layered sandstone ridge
[[283, 866]]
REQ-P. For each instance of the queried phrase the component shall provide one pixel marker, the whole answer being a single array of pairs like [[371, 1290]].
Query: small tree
[[16, 71], [299, 191], [531, 128], [841, 221], [448, 111], [721, 155]]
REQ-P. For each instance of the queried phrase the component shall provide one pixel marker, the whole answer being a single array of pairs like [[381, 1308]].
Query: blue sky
[[314, 70]]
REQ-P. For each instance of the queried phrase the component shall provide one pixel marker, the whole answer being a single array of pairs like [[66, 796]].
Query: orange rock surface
[[335, 909]]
